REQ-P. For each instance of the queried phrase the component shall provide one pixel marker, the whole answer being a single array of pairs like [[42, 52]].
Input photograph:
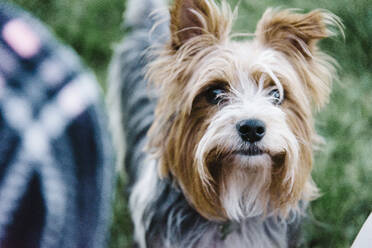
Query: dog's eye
[[215, 95], [275, 96]]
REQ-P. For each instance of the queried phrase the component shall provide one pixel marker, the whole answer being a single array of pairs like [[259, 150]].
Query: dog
[[218, 132]]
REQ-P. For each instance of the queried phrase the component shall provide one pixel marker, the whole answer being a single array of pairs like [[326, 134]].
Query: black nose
[[251, 130]]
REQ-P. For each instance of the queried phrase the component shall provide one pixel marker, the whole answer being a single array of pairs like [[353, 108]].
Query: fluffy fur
[[194, 152]]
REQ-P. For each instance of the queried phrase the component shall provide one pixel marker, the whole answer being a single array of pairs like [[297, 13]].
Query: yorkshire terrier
[[219, 131]]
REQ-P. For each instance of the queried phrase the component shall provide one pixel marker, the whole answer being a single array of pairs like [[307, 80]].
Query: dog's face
[[234, 126]]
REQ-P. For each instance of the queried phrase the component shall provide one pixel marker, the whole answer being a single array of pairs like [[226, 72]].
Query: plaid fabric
[[56, 165]]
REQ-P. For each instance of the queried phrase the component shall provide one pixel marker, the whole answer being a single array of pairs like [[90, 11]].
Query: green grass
[[343, 167]]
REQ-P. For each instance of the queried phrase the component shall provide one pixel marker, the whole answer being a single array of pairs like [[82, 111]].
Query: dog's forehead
[[240, 60], [240, 63], [253, 57]]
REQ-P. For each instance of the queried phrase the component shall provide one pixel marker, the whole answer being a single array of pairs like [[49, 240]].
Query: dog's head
[[233, 125]]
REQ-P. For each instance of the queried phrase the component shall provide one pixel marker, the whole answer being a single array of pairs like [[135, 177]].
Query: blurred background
[[343, 166]]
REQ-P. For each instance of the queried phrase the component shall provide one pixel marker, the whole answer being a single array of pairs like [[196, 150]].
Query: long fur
[[193, 187]]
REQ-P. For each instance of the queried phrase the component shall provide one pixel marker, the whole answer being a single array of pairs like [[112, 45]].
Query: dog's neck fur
[[165, 219]]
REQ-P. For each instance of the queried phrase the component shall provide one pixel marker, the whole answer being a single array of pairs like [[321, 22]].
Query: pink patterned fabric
[[21, 38]]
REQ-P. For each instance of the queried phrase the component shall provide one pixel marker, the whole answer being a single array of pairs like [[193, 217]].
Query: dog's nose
[[251, 130]]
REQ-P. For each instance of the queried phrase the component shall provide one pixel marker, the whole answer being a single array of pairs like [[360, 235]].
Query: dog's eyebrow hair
[[261, 81], [275, 79]]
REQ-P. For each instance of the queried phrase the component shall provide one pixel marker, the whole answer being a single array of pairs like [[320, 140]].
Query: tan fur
[[200, 53], [193, 18], [296, 35]]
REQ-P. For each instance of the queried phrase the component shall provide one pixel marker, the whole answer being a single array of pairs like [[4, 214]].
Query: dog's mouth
[[255, 155], [252, 150]]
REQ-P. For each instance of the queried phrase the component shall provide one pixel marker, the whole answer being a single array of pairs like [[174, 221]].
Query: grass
[[343, 167]]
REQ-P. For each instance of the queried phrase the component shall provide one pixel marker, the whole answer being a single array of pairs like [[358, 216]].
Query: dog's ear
[[294, 33], [193, 18]]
